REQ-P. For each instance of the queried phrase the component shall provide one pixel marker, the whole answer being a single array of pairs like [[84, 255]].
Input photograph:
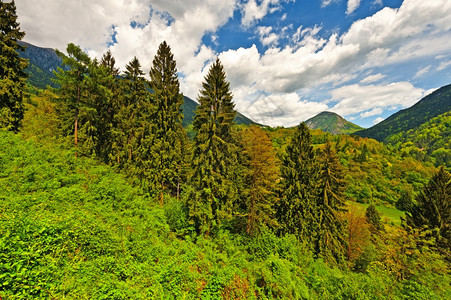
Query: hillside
[[73, 228], [43, 61], [437, 103], [430, 142], [189, 108], [332, 122]]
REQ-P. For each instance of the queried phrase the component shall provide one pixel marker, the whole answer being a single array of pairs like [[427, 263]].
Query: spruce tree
[[167, 120], [133, 132], [330, 242], [72, 91], [431, 213], [12, 75], [213, 151], [296, 209]]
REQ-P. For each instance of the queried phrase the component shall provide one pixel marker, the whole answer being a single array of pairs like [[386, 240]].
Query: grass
[[389, 215]]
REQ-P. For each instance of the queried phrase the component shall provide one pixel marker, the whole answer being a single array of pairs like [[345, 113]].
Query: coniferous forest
[[104, 194]]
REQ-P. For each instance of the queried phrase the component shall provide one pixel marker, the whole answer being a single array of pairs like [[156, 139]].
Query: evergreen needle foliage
[[12, 66], [167, 118], [213, 153]]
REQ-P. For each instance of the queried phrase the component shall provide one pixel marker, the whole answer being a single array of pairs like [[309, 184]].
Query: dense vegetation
[[104, 196], [333, 123], [429, 143], [431, 106]]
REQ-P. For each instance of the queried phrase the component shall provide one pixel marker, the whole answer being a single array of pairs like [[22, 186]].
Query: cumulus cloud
[[357, 98], [254, 10], [373, 112], [139, 26]]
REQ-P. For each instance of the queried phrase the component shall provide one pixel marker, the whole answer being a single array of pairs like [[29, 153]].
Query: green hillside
[[333, 123], [437, 103], [430, 142], [73, 228]]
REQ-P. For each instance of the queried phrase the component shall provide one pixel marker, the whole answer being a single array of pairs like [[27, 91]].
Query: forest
[[104, 194]]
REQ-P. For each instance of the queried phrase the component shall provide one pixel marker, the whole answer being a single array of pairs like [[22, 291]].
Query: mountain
[[189, 107], [333, 123], [431, 106], [43, 61]]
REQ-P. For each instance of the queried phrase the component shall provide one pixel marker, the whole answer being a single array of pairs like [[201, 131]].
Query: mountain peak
[[332, 122]]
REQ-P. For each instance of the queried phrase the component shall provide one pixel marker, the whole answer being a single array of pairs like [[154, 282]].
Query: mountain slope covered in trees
[[103, 196], [332, 122], [437, 103]]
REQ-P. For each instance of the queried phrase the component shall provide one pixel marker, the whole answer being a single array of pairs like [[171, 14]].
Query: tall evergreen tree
[[72, 88], [213, 151], [296, 209], [432, 211], [12, 75], [330, 242], [133, 133], [168, 132]]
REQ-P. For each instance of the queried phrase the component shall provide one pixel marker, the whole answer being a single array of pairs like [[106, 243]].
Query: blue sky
[[286, 60]]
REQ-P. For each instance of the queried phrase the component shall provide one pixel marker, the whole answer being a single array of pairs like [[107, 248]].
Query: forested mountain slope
[[332, 122], [437, 103]]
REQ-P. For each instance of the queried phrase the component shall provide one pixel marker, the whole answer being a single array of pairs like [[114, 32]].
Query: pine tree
[[296, 210], [72, 90], [12, 75], [330, 241], [432, 211], [168, 132], [213, 151]]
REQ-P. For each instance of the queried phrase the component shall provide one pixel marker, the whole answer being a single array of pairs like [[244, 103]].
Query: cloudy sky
[[286, 60]]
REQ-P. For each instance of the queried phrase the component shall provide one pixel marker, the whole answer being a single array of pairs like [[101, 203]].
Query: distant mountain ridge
[[431, 106], [43, 61], [332, 122]]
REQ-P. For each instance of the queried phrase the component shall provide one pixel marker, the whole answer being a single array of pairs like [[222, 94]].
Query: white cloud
[[443, 65], [372, 78], [254, 10], [373, 112], [277, 109], [352, 6], [267, 38], [325, 3], [357, 98], [422, 71], [378, 120]]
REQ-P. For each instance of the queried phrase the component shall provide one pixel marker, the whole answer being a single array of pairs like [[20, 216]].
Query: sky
[[286, 60]]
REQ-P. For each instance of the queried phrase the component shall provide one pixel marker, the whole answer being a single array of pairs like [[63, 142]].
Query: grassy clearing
[[390, 215]]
